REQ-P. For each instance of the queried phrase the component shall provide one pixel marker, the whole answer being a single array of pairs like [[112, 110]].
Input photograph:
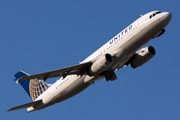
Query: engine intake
[[142, 56], [100, 64]]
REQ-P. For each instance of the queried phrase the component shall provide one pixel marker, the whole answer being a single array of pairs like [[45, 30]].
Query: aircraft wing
[[25, 105], [76, 69]]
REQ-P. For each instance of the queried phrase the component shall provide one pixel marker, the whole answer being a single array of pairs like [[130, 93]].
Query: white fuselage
[[124, 45]]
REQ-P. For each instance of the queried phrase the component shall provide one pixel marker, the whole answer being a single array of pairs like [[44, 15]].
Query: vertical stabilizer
[[33, 87]]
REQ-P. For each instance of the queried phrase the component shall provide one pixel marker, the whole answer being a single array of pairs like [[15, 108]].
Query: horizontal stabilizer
[[25, 105]]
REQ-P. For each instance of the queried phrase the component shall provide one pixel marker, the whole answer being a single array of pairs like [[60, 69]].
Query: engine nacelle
[[100, 65], [142, 56]]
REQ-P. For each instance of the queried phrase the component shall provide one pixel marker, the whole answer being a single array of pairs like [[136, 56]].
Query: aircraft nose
[[168, 16], [165, 19]]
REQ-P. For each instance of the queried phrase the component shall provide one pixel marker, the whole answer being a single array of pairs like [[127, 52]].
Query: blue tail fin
[[25, 83], [33, 87]]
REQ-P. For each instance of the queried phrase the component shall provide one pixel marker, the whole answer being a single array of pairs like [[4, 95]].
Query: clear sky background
[[41, 35]]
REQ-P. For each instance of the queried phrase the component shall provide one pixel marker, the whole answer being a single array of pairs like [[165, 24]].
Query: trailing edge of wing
[[76, 69], [25, 105]]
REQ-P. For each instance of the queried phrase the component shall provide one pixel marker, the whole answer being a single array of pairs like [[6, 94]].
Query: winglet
[[17, 81]]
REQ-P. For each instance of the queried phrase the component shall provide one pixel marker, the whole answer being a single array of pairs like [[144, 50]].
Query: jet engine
[[142, 56], [100, 64]]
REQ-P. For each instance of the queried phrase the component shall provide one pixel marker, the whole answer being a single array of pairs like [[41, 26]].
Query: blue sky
[[38, 36]]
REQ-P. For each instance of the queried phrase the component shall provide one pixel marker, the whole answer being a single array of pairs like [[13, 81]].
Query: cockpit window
[[158, 12], [154, 14]]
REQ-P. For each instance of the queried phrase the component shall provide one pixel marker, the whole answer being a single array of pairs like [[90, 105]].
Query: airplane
[[121, 50]]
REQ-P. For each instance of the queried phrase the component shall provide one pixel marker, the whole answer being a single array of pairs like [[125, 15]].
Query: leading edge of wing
[[76, 69]]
